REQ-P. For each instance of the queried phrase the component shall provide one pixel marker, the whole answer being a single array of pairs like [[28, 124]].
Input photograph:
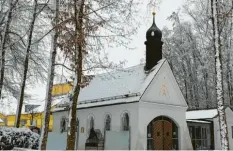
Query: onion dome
[[154, 32]]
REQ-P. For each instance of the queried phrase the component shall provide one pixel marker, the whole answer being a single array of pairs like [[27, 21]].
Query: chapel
[[137, 108]]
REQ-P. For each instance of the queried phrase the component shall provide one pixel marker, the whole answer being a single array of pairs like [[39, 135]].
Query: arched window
[[92, 123], [125, 122], [108, 123], [77, 124], [63, 124]]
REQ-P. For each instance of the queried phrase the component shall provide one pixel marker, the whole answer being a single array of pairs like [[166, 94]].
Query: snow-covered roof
[[198, 121], [201, 114], [55, 101], [111, 85], [1, 121], [121, 86], [115, 87]]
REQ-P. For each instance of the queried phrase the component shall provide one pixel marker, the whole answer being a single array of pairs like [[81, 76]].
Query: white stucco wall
[[149, 111], [152, 104], [163, 98], [99, 113], [230, 124], [164, 89], [229, 115]]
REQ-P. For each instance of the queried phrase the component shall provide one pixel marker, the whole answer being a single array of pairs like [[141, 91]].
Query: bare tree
[[219, 81], [16, 45], [190, 46], [88, 27], [45, 127], [26, 61], [79, 46], [32, 112], [4, 39]]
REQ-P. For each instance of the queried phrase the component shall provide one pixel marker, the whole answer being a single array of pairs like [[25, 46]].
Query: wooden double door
[[162, 135]]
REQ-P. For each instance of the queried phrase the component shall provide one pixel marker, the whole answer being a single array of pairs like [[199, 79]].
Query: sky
[[134, 56]]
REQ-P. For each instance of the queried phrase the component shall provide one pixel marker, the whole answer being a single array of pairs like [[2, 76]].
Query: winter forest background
[[188, 46], [55, 41]]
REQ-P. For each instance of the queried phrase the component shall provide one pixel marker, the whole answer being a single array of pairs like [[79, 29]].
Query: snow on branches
[[18, 137], [219, 81]]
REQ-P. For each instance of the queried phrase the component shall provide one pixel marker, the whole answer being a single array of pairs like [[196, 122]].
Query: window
[[199, 136], [232, 131], [77, 124], [107, 123], [63, 124], [34, 122], [125, 122], [92, 124], [23, 122]]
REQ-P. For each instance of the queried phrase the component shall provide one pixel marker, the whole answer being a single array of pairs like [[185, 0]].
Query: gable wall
[[163, 98], [164, 89], [99, 114]]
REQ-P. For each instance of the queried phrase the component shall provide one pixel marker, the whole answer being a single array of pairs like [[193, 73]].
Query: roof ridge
[[119, 70], [195, 110], [131, 67]]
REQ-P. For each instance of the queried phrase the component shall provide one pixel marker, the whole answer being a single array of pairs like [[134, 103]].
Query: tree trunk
[[3, 45], [32, 115], [219, 81], [45, 127], [26, 61], [79, 39]]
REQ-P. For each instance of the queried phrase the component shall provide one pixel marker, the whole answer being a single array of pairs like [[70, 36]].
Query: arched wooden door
[[162, 134]]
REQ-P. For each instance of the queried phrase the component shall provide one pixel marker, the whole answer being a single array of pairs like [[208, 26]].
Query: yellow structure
[[2, 117], [61, 89], [2, 123], [26, 119]]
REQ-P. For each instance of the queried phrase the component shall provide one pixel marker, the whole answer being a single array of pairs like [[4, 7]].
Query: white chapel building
[[137, 108]]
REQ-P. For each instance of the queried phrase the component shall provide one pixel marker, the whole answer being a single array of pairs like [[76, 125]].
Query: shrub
[[11, 137]]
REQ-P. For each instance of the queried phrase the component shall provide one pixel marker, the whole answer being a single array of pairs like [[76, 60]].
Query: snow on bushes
[[18, 137]]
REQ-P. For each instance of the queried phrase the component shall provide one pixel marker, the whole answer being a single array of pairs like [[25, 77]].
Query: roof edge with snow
[[148, 77]]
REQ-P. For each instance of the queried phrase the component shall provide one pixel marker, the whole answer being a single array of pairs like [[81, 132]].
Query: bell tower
[[153, 45]]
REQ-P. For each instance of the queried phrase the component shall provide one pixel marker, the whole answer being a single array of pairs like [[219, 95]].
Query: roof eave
[[103, 103]]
